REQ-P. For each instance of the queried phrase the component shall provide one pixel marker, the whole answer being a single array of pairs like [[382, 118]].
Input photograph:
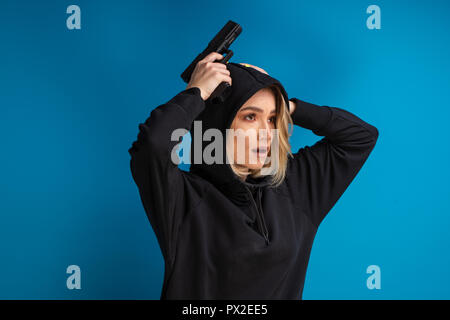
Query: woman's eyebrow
[[256, 109]]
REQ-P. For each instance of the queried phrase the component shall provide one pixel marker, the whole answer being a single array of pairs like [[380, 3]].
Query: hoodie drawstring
[[266, 232], [260, 214]]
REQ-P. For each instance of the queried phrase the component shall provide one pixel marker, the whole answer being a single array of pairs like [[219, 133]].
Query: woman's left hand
[[292, 106]]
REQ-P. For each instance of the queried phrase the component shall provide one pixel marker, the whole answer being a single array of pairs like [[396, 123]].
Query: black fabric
[[221, 237]]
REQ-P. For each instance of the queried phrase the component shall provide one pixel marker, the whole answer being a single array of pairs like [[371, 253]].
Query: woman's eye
[[252, 116]]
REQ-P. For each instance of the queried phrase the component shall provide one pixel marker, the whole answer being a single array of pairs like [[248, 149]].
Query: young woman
[[225, 229]]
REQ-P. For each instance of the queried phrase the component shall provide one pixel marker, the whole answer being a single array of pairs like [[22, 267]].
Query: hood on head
[[246, 81]]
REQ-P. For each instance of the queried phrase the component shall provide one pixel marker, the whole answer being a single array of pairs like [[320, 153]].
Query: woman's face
[[255, 119]]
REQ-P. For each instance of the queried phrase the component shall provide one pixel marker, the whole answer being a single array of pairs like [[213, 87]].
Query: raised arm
[[168, 193], [160, 182], [321, 173]]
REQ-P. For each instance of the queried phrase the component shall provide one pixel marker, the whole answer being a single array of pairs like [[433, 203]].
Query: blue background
[[71, 102]]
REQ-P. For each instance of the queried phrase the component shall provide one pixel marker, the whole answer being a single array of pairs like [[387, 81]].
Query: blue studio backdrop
[[71, 101]]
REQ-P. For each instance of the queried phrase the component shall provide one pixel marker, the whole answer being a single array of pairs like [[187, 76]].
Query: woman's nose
[[265, 134]]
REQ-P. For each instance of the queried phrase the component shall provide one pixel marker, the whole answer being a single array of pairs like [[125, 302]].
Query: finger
[[226, 78], [220, 65], [212, 57], [223, 71]]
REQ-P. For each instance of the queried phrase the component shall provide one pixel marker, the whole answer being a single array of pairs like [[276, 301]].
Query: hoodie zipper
[[260, 218]]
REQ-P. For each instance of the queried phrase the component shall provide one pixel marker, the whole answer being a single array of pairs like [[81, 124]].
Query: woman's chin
[[256, 164]]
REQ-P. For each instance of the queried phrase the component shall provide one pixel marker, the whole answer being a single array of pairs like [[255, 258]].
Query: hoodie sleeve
[[322, 172], [167, 193]]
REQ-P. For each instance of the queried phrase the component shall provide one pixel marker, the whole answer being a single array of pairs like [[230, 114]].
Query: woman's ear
[[254, 67]]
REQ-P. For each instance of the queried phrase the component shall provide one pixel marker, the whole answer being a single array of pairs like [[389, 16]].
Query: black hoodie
[[221, 237]]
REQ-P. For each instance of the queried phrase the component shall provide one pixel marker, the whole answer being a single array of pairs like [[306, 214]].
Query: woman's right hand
[[207, 74]]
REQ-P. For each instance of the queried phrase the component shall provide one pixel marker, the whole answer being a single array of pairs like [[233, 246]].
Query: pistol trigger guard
[[227, 57]]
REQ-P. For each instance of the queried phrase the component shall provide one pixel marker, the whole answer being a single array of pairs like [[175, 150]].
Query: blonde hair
[[284, 124]]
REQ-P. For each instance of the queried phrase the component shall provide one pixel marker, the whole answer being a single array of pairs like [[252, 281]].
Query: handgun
[[220, 43]]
